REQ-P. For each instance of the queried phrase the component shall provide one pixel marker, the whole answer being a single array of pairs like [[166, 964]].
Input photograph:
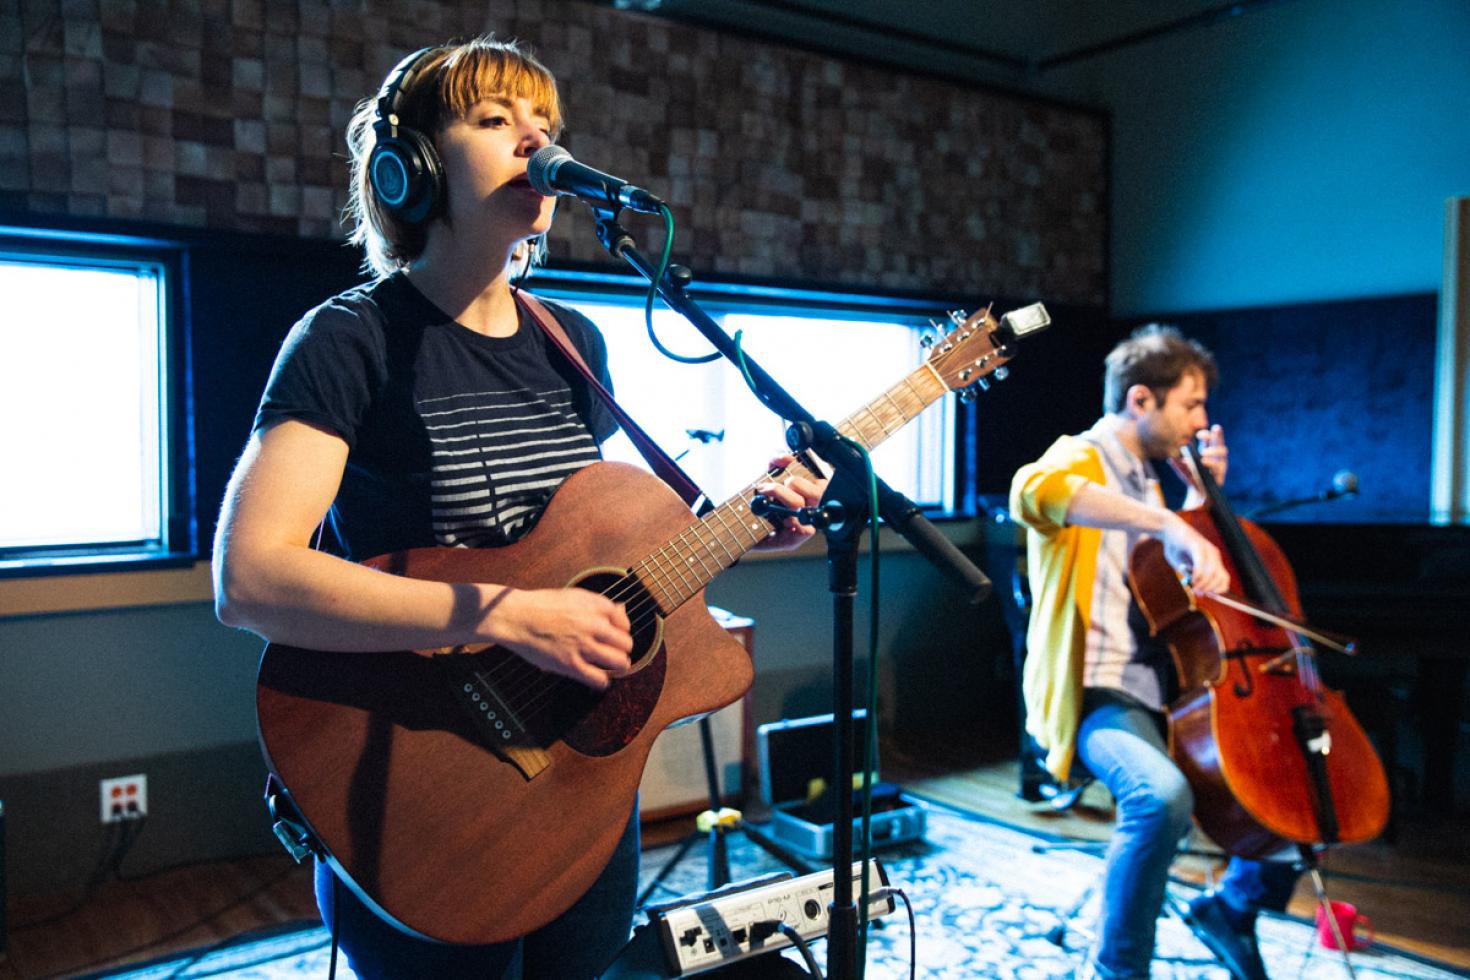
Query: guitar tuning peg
[[983, 384], [1001, 373], [966, 394], [958, 317], [927, 340]]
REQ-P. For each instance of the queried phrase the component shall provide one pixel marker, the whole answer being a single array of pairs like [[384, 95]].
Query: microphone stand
[[848, 487], [1280, 505]]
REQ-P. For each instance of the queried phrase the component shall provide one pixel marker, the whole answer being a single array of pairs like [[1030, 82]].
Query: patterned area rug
[[987, 904]]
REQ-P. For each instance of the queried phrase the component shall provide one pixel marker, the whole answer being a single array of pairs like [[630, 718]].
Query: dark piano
[[1403, 591]]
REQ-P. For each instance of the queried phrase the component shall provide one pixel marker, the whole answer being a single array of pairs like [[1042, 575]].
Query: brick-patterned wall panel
[[230, 114]]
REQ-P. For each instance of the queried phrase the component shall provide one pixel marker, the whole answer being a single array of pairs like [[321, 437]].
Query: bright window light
[[831, 366], [82, 436]]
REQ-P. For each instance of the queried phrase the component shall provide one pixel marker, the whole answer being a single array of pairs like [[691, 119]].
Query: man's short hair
[[449, 82], [1157, 356]]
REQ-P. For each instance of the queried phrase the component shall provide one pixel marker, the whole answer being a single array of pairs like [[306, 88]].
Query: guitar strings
[[514, 679], [534, 687]]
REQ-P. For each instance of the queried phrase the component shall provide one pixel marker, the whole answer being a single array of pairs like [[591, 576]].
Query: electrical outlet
[[124, 798]]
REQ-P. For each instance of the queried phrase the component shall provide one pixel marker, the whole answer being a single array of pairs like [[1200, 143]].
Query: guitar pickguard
[[519, 711]]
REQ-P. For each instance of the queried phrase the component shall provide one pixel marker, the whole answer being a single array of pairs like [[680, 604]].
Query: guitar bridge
[[499, 726]]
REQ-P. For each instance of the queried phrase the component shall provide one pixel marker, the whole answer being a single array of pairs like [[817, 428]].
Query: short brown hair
[[449, 81], [1158, 357]]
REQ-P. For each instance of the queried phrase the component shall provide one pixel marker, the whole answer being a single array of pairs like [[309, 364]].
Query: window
[[831, 359], [87, 433]]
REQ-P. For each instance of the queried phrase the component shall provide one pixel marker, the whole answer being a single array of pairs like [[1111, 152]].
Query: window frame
[[177, 543], [774, 298]]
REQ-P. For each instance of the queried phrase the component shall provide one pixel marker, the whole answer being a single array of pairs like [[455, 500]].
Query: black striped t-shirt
[[455, 439]]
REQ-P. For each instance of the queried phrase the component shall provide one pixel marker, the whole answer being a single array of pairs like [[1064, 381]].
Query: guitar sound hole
[[643, 614], [607, 719]]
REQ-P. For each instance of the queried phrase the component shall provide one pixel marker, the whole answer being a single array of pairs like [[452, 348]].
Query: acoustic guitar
[[469, 797]]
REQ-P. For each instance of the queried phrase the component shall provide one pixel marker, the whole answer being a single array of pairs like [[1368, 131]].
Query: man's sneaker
[[1234, 948]]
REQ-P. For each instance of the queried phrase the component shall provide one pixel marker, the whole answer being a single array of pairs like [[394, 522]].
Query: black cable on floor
[[121, 835], [114, 957], [806, 951], [913, 932]]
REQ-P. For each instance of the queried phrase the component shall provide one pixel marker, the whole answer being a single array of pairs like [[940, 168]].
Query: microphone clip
[[823, 517]]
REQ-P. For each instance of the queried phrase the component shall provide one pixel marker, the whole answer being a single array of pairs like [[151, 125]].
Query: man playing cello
[[1095, 687]]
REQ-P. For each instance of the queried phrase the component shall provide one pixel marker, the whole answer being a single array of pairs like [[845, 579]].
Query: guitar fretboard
[[687, 563]]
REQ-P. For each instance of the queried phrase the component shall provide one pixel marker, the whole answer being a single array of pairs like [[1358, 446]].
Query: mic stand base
[[722, 823]]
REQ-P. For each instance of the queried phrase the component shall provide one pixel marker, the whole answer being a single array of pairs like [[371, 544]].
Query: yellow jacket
[[1061, 562]]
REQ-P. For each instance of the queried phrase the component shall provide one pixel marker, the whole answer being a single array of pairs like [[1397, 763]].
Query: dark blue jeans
[[1122, 744], [578, 945]]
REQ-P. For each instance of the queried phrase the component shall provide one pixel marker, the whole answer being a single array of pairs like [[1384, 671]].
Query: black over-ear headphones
[[404, 168]]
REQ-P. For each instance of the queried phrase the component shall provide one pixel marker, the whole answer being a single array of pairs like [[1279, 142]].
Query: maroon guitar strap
[[663, 466]]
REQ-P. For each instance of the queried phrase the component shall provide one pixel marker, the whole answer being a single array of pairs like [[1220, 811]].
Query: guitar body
[[398, 773]]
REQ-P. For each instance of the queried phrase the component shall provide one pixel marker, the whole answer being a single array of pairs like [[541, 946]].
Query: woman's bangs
[[479, 73]]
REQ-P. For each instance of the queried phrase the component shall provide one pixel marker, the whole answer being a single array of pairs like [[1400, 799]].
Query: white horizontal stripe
[[551, 396], [491, 433], [485, 413], [445, 498], [500, 467], [506, 447], [441, 453], [537, 406], [560, 466], [576, 457]]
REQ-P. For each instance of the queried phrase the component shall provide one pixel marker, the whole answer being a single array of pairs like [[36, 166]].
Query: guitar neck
[[688, 562]]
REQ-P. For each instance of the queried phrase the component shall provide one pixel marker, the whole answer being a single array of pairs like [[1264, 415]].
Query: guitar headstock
[[980, 345]]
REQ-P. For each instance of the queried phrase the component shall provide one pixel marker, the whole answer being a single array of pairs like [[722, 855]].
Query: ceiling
[[1019, 41]]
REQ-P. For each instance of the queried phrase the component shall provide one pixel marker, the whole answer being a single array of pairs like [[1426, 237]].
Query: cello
[[1271, 754]]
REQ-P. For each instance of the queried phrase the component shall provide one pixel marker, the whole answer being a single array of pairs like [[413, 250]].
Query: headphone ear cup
[[406, 176]]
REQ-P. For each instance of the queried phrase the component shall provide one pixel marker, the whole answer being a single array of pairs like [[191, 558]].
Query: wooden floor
[[138, 920], [1416, 888]]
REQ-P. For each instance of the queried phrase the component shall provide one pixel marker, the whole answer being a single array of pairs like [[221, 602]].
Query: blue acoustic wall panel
[[1309, 390]]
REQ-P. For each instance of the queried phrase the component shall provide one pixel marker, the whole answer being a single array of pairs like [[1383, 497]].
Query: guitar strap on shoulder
[[663, 466]]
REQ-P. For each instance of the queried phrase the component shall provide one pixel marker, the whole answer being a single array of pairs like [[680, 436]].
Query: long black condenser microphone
[[551, 171]]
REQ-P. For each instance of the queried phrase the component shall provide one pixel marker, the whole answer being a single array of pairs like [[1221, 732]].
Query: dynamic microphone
[[551, 171], [1344, 484]]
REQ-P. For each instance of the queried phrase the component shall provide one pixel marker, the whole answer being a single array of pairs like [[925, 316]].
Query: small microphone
[[1344, 484], [551, 171]]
